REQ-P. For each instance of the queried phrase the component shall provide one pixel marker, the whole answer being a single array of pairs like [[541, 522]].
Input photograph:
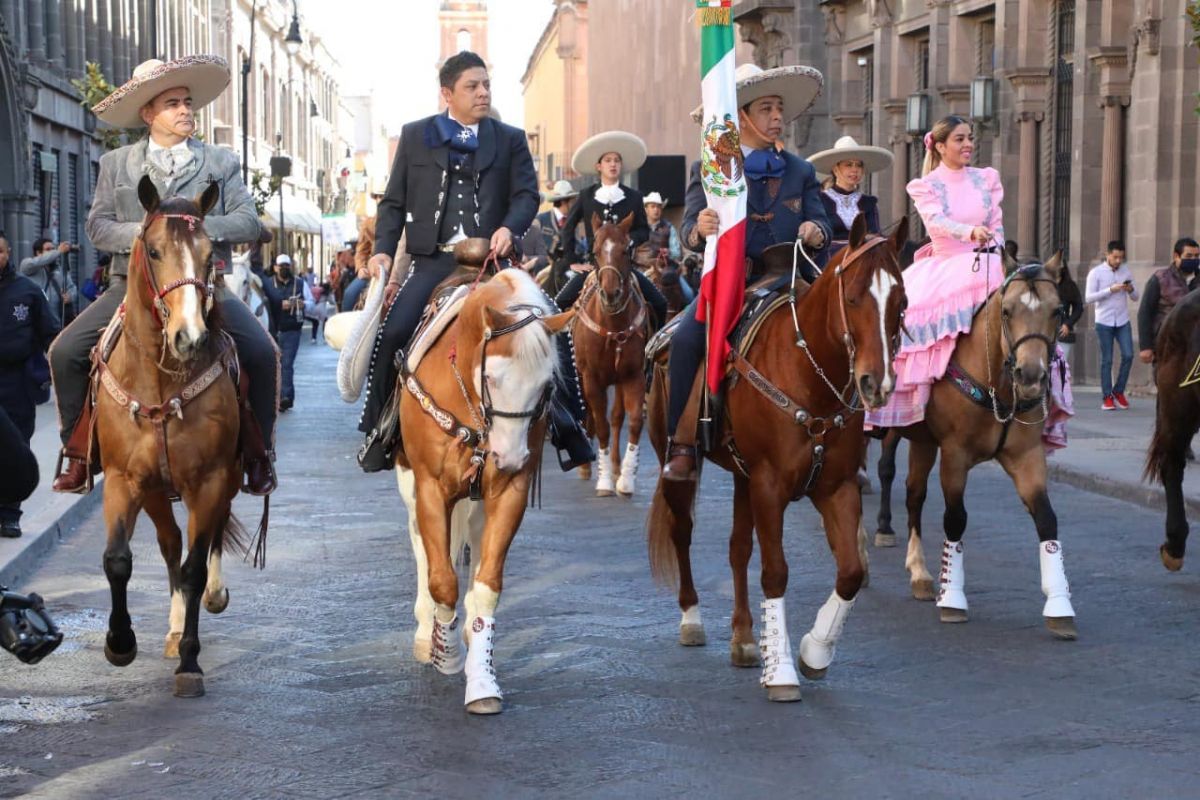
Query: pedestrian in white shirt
[[1110, 287]]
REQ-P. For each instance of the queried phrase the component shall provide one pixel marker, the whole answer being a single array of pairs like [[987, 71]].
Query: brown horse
[[1177, 374], [793, 429], [473, 413], [610, 344], [665, 275], [167, 423], [1010, 347]]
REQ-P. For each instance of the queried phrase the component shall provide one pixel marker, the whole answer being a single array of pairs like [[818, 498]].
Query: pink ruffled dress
[[945, 290]]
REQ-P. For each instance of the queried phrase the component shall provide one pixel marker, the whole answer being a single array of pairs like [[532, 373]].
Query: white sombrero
[[654, 197], [562, 190], [630, 147], [204, 76], [875, 159], [798, 86]]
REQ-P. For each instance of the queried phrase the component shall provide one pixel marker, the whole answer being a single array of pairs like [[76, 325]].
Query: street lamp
[[916, 115], [293, 40], [983, 98], [281, 167]]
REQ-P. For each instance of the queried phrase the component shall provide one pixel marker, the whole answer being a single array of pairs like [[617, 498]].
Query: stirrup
[[681, 451]]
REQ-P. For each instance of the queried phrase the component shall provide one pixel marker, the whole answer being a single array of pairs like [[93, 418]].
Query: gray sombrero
[[204, 76], [875, 159], [798, 86]]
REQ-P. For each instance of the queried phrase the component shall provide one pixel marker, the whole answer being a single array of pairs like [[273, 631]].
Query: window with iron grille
[[868, 93], [922, 65], [985, 58], [1063, 96]]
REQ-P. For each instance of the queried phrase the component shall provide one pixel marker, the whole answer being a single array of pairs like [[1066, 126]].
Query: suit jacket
[[867, 204], [115, 219], [413, 201], [586, 204]]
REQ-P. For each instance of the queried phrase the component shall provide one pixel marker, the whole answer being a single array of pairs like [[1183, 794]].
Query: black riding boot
[[568, 415]]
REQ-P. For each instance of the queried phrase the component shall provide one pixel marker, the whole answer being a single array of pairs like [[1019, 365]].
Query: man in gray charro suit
[[164, 97]]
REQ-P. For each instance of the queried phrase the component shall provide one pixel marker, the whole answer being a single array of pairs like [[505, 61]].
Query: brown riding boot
[[681, 463], [260, 474], [76, 478], [73, 479]]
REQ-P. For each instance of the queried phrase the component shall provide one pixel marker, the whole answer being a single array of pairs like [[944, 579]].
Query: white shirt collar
[[558, 215], [609, 195], [474, 128]]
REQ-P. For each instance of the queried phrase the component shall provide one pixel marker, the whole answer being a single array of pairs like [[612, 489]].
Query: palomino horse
[[610, 345], [473, 418], [167, 422], [1178, 417], [793, 429], [991, 404]]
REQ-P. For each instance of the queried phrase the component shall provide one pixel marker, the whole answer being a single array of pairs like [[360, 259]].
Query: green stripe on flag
[[715, 43]]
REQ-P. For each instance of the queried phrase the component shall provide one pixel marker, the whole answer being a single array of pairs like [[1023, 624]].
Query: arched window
[[463, 42]]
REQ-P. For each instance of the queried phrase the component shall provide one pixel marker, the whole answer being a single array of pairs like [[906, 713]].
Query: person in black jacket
[[1072, 304], [456, 175], [609, 154], [27, 324], [847, 164]]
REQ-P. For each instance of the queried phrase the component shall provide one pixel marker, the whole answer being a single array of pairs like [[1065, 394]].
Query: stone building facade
[[555, 87]]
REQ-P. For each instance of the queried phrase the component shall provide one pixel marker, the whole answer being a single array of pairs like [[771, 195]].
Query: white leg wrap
[[691, 616], [952, 578], [775, 647], [447, 646], [1054, 581], [818, 645], [629, 466], [481, 673], [604, 477]]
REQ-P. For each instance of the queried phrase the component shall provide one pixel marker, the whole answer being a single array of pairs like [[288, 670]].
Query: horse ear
[[858, 231], [1054, 266], [597, 222], [557, 322], [900, 235], [208, 198], [1010, 263], [148, 194], [626, 223]]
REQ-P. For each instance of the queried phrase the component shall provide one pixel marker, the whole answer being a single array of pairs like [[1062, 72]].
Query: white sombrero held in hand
[[798, 86], [875, 159], [204, 76], [630, 147]]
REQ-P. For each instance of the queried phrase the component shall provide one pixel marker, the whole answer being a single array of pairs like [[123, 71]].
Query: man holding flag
[[745, 195]]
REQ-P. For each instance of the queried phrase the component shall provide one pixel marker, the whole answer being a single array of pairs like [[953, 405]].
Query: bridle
[[158, 305], [848, 261]]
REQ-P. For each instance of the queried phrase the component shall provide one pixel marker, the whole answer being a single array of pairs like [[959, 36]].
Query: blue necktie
[[765, 164]]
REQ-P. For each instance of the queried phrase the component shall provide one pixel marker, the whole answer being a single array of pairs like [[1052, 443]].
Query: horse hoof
[[743, 654], [624, 493], [811, 673], [605, 493], [692, 635], [783, 694], [585, 472], [485, 706], [423, 650], [923, 589], [1063, 628], [120, 659], [885, 539], [171, 648], [953, 615], [189, 684], [215, 605], [1169, 561]]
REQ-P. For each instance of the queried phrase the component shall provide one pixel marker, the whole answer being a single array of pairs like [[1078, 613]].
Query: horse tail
[[233, 537], [664, 561], [1156, 455]]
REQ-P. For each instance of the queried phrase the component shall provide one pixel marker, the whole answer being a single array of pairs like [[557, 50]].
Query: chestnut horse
[[610, 344], [167, 423], [991, 404], [1177, 374], [473, 416], [793, 429], [666, 276]]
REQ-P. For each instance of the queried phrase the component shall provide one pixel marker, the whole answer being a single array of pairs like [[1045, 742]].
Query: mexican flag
[[723, 281]]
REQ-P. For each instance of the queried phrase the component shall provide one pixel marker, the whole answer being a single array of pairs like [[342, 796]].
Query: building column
[[54, 33], [36, 19], [1027, 198], [74, 49], [899, 197], [1112, 169], [105, 24]]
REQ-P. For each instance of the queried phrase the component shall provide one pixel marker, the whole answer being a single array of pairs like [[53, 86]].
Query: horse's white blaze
[[609, 246], [178, 608], [1030, 300], [193, 323], [881, 290]]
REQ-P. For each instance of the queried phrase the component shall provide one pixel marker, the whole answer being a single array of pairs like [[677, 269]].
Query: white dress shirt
[[1112, 308]]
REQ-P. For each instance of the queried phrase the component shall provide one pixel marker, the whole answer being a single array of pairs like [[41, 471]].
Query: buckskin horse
[[793, 428], [1177, 374], [167, 422], [610, 341], [991, 405], [473, 392]]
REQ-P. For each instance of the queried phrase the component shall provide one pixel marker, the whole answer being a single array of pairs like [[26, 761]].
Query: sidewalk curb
[[40, 544], [1149, 496]]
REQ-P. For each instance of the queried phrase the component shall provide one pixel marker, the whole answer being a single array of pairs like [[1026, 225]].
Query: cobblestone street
[[313, 692]]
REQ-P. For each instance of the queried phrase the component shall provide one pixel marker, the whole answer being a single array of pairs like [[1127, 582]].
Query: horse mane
[[533, 345]]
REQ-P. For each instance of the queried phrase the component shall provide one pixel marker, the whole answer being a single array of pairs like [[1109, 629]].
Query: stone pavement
[[313, 691]]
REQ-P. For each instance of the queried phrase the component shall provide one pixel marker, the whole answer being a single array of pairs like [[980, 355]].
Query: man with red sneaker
[[1110, 287]]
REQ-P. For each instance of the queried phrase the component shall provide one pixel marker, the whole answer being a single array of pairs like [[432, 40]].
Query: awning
[[299, 214]]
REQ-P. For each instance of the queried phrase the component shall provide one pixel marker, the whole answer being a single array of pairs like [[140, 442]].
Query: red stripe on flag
[[723, 289]]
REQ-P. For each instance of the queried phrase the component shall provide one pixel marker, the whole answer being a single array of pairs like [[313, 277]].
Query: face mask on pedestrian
[[1189, 265]]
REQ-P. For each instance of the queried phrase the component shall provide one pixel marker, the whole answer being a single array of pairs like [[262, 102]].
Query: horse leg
[[423, 607], [502, 517], [466, 529], [633, 393], [433, 520], [778, 671], [597, 402], [616, 421], [121, 508], [170, 544], [921, 455], [885, 536], [842, 512], [1171, 471], [1028, 473], [209, 510], [743, 650], [952, 599]]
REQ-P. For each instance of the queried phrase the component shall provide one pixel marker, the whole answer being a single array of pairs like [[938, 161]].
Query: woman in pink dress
[[960, 206]]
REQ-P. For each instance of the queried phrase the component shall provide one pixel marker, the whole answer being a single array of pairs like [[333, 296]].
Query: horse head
[[613, 266], [514, 362], [1030, 313], [174, 253], [872, 301]]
